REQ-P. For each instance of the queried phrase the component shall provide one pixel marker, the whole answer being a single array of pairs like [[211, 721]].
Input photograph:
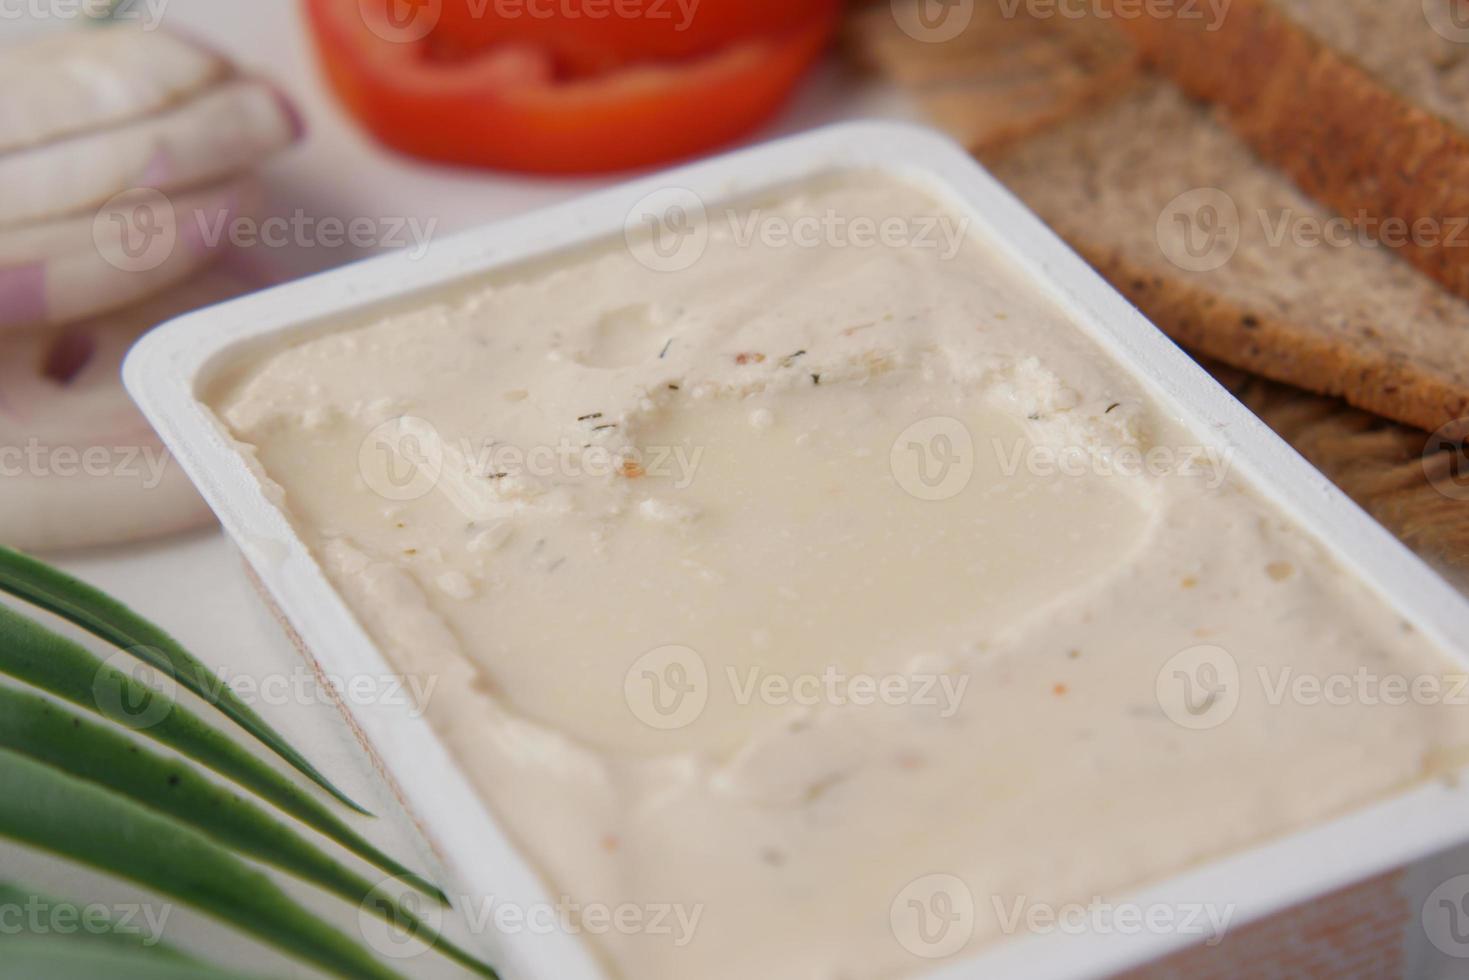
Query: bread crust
[[1210, 324], [1342, 136]]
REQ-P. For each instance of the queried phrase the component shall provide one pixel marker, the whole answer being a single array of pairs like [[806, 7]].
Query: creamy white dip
[[833, 595]]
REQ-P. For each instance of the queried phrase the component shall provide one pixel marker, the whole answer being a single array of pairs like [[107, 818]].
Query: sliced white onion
[[83, 80], [79, 466], [134, 246], [216, 133]]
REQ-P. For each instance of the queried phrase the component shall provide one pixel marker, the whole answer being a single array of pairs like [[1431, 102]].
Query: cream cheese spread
[[830, 600]]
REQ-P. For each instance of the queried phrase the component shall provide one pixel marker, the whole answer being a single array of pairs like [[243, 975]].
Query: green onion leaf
[[38, 727], [100, 614], [59, 959], [27, 900], [52, 663], [47, 809]]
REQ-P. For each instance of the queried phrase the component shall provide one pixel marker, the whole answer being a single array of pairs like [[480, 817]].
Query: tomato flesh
[[479, 93], [591, 36]]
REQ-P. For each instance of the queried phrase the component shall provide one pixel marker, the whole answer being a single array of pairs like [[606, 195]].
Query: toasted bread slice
[[1223, 253], [1105, 154], [1362, 102]]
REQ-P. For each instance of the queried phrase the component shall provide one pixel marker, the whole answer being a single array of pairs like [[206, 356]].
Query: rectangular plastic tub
[[168, 369]]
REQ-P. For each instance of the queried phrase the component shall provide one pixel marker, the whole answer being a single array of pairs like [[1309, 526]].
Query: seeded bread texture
[[1419, 49], [1362, 102], [1139, 186]]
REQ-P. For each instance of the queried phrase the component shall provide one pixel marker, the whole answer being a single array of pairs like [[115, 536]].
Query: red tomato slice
[[512, 106], [589, 36]]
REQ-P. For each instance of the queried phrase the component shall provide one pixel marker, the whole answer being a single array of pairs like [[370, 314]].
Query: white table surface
[[195, 585]]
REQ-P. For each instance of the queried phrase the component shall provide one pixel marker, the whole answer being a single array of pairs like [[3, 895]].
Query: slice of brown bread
[[1365, 103], [1350, 321], [1221, 252]]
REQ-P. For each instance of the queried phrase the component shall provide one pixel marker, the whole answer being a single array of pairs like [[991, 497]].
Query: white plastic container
[[168, 368]]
